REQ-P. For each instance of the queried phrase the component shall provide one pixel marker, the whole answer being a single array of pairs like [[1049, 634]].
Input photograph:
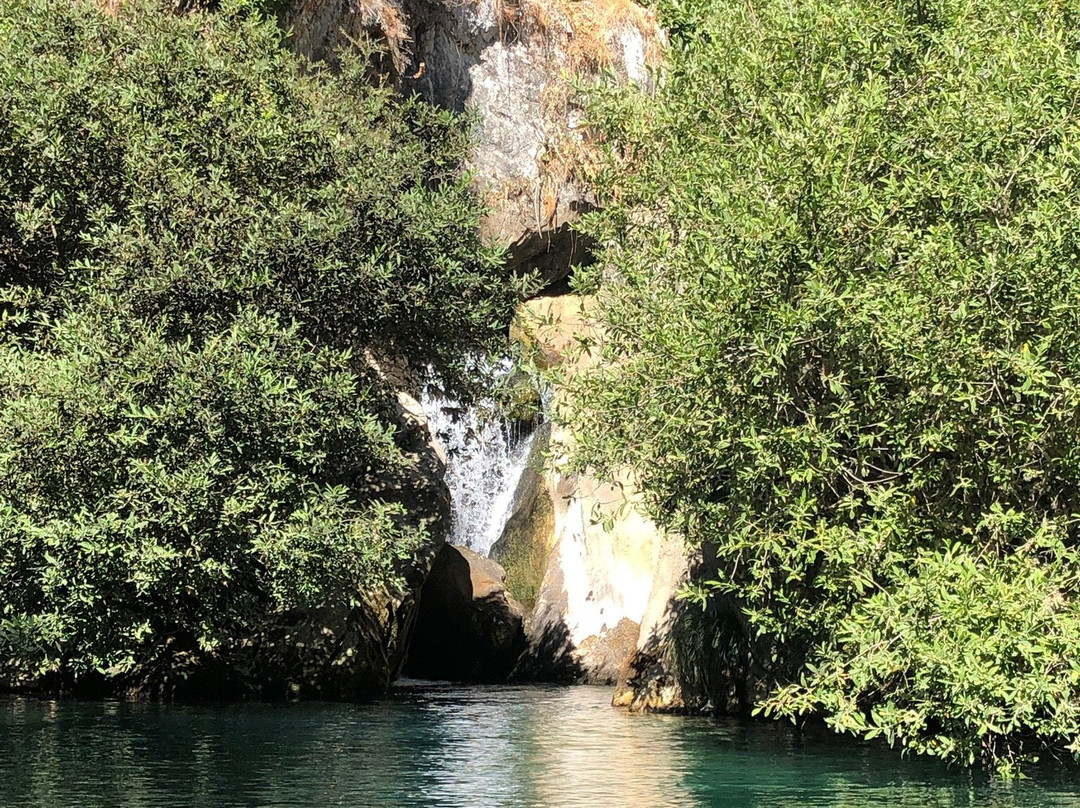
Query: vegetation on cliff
[[843, 349], [206, 249]]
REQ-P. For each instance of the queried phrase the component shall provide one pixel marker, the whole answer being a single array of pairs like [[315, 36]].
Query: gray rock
[[510, 62]]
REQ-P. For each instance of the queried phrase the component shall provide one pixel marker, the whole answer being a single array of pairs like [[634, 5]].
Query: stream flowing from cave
[[462, 747]]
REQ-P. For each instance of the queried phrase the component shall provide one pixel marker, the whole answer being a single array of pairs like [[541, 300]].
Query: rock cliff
[[608, 574], [595, 576], [511, 63]]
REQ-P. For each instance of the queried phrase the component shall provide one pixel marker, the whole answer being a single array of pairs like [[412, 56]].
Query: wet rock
[[468, 627], [526, 541], [525, 401]]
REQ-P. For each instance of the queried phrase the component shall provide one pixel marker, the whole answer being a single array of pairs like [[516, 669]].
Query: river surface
[[461, 747]]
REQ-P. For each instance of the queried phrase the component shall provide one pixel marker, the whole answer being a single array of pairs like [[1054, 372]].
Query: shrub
[[206, 248], [843, 348]]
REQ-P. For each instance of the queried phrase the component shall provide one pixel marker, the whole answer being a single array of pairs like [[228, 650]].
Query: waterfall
[[486, 455]]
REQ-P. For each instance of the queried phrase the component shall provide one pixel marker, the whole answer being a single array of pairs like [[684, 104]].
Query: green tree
[[206, 250], [843, 349]]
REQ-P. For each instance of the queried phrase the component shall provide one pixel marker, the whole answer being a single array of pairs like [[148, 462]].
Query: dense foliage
[[206, 248], [843, 333]]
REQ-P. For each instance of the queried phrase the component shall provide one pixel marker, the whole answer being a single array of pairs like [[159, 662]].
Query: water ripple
[[452, 747]]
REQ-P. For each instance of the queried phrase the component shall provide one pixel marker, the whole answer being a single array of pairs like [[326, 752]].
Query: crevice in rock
[[553, 255], [468, 627]]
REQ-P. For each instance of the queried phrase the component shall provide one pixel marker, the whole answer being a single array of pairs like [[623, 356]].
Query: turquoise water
[[460, 747]]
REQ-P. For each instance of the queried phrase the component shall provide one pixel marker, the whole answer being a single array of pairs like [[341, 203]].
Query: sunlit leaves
[[206, 248], [839, 295]]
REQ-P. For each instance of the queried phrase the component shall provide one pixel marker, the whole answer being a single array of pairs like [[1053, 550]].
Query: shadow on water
[[550, 657], [430, 745]]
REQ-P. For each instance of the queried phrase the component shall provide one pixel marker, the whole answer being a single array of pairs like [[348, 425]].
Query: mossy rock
[[524, 402], [526, 542]]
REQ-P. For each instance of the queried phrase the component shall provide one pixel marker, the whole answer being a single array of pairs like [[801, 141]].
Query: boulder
[[468, 627]]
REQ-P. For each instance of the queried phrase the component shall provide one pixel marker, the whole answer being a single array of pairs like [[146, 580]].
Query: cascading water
[[486, 455]]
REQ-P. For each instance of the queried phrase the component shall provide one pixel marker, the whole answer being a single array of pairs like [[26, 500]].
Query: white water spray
[[486, 455]]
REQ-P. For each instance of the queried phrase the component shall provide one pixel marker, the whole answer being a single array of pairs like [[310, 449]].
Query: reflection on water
[[460, 747]]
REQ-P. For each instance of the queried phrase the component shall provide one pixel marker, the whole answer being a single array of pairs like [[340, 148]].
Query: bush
[[843, 348], [206, 248]]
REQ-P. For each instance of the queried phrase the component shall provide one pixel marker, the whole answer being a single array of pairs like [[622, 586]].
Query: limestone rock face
[[511, 62], [694, 660], [651, 679], [468, 627], [607, 610], [597, 586], [610, 573]]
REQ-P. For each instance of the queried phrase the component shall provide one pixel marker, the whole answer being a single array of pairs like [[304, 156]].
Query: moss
[[529, 536], [524, 401], [526, 550]]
